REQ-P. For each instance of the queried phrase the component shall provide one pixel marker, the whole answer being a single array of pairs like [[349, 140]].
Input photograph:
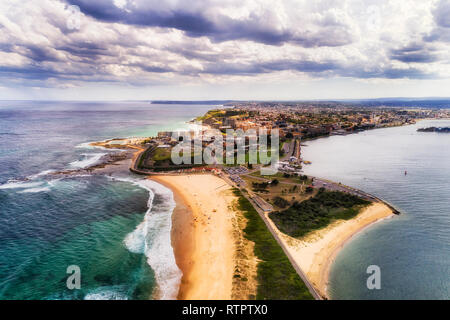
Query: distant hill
[[430, 102], [200, 102], [434, 129], [434, 103]]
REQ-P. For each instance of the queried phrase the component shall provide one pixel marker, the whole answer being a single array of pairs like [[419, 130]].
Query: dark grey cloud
[[41, 76], [442, 14], [313, 68], [41, 54], [410, 73], [441, 32], [221, 28], [140, 50], [418, 53], [249, 69], [36, 72], [153, 68], [386, 73], [86, 49]]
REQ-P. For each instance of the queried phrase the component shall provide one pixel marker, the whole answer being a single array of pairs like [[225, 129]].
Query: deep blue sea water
[[117, 230], [413, 249]]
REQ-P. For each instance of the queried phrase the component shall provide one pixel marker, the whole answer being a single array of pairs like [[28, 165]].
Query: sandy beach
[[203, 235], [316, 251]]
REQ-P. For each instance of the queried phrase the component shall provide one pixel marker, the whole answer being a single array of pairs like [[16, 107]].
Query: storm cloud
[[171, 42], [201, 22]]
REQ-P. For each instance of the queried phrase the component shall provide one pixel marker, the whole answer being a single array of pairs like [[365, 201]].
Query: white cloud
[[218, 42]]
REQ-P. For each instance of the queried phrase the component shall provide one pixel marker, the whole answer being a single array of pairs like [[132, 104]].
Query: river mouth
[[406, 248]]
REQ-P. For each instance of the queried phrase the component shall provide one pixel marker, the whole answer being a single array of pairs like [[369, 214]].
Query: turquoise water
[[413, 249], [116, 229]]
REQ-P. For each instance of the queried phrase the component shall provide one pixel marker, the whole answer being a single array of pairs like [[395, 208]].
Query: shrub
[[317, 212], [280, 202], [277, 279]]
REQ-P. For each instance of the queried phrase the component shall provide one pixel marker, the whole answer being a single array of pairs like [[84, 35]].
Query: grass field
[[281, 177], [287, 191], [161, 154]]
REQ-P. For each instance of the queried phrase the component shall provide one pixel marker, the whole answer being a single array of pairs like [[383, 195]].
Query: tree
[[280, 202], [275, 182]]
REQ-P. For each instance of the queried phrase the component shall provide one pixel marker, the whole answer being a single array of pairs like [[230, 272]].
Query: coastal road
[[297, 268], [288, 148], [333, 186]]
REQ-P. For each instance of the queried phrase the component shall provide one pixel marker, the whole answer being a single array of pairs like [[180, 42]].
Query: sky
[[219, 49]]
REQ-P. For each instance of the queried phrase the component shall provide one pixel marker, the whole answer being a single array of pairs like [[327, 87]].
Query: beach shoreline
[[316, 252], [182, 235], [202, 235], [313, 255], [327, 268]]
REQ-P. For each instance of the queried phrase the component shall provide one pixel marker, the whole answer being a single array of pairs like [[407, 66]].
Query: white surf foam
[[14, 184], [40, 174], [89, 159], [87, 145], [107, 293], [153, 238], [35, 190]]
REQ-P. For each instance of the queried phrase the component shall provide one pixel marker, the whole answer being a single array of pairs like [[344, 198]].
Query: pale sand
[[202, 235], [316, 251]]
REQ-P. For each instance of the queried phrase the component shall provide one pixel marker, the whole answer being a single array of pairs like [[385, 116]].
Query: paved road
[[297, 268], [333, 186], [288, 148]]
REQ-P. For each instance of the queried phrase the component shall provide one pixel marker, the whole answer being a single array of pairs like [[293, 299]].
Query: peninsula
[[435, 129], [240, 234]]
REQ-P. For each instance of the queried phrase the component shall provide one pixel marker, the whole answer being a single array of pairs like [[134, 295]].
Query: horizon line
[[234, 100]]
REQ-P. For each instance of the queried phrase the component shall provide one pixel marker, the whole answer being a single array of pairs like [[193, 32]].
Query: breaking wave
[[153, 238], [87, 160]]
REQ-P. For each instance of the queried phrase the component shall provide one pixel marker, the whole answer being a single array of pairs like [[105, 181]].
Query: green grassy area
[[160, 159], [247, 159], [317, 212], [144, 156], [277, 279], [161, 154], [283, 177], [211, 114], [291, 192]]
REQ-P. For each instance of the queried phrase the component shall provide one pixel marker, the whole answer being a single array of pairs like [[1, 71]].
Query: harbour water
[[413, 249], [116, 229]]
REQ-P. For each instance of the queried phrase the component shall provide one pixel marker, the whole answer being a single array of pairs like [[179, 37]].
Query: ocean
[[413, 249], [116, 229]]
